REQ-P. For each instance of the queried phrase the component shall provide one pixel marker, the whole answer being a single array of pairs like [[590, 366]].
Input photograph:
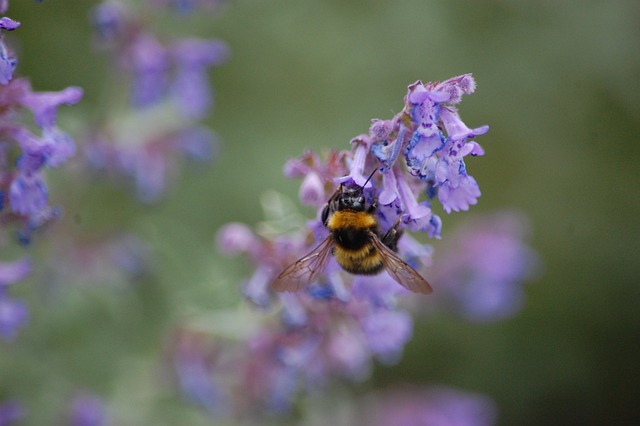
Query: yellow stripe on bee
[[349, 219], [362, 261]]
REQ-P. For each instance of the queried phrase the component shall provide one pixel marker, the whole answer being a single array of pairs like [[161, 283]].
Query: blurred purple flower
[[387, 332], [11, 412], [13, 316], [87, 410], [13, 313], [108, 19], [191, 87], [481, 270], [11, 272], [429, 406], [28, 194], [193, 365]]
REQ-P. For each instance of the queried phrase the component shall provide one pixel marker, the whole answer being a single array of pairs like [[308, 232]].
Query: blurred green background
[[558, 83]]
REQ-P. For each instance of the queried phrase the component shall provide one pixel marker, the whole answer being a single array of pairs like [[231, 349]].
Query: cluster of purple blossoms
[[433, 141], [28, 148], [24, 154], [169, 92], [337, 326]]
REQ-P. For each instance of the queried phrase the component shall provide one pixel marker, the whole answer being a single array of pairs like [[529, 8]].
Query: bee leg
[[391, 237]]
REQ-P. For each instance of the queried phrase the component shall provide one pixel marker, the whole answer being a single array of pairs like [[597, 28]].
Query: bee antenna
[[369, 178]]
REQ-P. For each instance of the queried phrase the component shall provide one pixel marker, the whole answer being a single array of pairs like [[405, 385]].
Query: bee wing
[[400, 270], [302, 272]]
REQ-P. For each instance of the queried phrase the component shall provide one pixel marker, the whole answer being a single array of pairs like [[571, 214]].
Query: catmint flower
[[11, 272], [13, 313], [28, 194], [387, 332], [191, 87], [357, 163], [13, 316], [146, 59], [108, 19], [193, 364], [87, 410], [482, 268], [26, 188], [11, 412], [7, 61], [44, 105]]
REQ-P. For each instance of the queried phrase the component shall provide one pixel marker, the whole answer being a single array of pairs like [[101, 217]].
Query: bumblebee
[[356, 242]]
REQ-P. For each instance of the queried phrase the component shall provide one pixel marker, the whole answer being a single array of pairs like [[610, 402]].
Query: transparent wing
[[302, 272], [400, 270]]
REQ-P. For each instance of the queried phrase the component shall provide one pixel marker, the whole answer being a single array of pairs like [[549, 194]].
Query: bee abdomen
[[366, 261]]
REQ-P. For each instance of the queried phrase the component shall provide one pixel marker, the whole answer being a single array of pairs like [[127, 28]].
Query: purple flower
[[195, 359], [13, 316], [461, 195], [87, 410], [481, 272], [11, 411], [7, 64], [386, 152], [191, 87], [459, 133], [417, 215], [11, 272], [7, 61], [108, 20], [312, 190], [356, 168], [44, 105], [28, 194], [148, 62], [387, 332], [61, 146], [8, 23]]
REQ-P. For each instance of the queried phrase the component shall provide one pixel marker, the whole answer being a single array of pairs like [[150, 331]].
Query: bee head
[[352, 199]]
